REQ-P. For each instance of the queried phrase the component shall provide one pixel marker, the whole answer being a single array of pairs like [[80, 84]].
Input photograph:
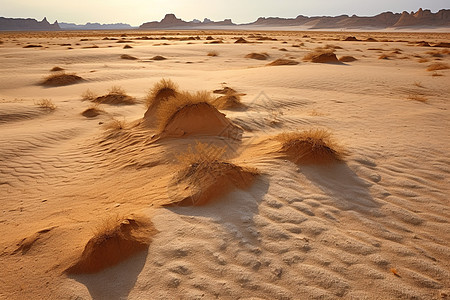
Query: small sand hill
[[160, 92], [207, 176], [115, 96], [61, 79], [323, 57], [228, 101], [199, 118], [313, 146], [117, 240]]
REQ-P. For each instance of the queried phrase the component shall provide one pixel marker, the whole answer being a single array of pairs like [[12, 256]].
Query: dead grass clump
[[228, 101], [61, 79], [46, 104], [116, 96], [283, 62], [56, 69], [347, 58], [224, 91], [206, 175], [158, 57], [213, 53], [162, 90], [115, 125], [324, 57], [88, 95], [114, 241], [129, 57], [258, 56], [415, 97], [310, 147], [92, 111], [438, 66]]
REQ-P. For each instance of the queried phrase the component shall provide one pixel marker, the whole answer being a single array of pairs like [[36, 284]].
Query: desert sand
[[103, 197]]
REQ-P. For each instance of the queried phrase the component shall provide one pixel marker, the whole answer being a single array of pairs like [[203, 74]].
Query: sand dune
[[247, 214]]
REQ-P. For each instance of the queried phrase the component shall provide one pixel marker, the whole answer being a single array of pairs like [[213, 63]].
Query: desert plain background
[[224, 164]]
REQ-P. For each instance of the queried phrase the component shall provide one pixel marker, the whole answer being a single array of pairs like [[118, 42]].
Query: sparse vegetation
[[162, 90], [213, 53], [313, 146], [61, 79], [416, 97], [438, 66], [88, 95], [116, 96], [115, 125], [46, 104]]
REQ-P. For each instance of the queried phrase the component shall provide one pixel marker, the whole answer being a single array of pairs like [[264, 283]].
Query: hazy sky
[[136, 12]]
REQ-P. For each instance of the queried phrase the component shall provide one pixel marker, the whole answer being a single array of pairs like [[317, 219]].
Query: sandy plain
[[372, 226]]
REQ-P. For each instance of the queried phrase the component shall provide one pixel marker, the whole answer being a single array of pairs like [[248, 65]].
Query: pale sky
[[136, 12]]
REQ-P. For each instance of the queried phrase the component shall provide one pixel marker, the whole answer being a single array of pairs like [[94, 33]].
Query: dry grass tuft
[[258, 56], [46, 104], [129, 57], [207, 175], [116, 96], [230, 100], [115, 125], [61, 79], [415, 97], [115, 240], [88, 95], [56, 69], [283, 62], [313, 146], [161, 91], [213, 53], [438, 66]]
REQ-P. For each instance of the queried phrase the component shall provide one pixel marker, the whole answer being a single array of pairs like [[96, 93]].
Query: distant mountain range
[[27, 24], [94, 26], [421, 18]]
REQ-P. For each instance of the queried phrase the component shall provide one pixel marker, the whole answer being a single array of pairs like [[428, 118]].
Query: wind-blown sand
[[373, 225]]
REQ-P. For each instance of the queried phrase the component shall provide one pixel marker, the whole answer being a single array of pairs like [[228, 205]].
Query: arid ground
[[318, 169]]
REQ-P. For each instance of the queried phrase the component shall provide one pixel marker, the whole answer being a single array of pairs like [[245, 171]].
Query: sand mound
[[116, 96], [351, 39], [258, 56], [129, 57], [32, 46], [321, 57], [207, 176], [27, 243], [115, 242], [224, 91], [196, 119], [56, 69], [92, 112], [61, 79], [442, 45], [310, 147], [347, 59], [283, 62], [161, 91], [241, 41], [228, 101], [158, 57], [127, 47], [370, 40]]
